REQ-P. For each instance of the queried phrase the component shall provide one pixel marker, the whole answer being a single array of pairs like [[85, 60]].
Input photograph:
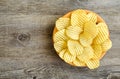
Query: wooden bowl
[[68, 15]]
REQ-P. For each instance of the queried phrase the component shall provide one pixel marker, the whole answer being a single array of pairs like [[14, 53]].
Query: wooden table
[[26, 50]]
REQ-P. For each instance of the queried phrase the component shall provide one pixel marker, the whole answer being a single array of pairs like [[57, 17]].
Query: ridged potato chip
[[77, 62], [106, 45], [68, 57], [89, 50], [102, 33], [87, 54], [74, 47], [91, 28], [92, 64], [60, 36], [85, 39], [61, 54], [78, 18], [62, 23], [60, 45], [92, 17], [73, 32], [97, 51]]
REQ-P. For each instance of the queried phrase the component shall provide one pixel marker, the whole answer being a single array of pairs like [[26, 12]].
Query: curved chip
[[85, 39], [77, 62], [73, 32], [92, 17], [87, 54], [74, 47], [97, 51], [62, 23], [60, 36], [91, 28], [106, 45], [78, 18], [61, 54], [59, 46], [68, 57], [89, 50], [103, 33], [92, 64]]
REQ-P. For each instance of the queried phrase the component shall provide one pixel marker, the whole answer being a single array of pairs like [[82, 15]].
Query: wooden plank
[[55, 7], [16, 57]]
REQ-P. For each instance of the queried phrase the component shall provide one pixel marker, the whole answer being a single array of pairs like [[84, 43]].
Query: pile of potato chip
[[81, 40]]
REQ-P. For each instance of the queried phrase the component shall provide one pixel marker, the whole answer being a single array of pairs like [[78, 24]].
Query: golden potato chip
[[62, 23], [68, 57], [74, 47], [87, 54], [78, 18], [102, 33], [91, 28], [73, 32], [60, 36], [97, 51], [92, 64], [92, 17], [60, 45], [106, 45], [83, 57], [89, 50], [77, 62], [61, 54], [85, 39]]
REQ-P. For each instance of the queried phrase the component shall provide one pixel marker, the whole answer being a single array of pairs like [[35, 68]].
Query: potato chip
[[62, 23], [74, 47], [59, 46], [83, 57], [92, 17], [61, 54], [85, 39], [77, 62], [106, 45], [91, 28], [87, 54], [97, 51], [89, 50], [73, 32], [92, 64], [68, 57], [78, 18], [102, 33], [60, 36]]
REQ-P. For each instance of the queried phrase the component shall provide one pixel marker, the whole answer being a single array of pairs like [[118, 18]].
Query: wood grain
[[26, 50]]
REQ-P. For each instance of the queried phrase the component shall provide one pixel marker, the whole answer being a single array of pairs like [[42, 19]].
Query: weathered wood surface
[[26, 50]]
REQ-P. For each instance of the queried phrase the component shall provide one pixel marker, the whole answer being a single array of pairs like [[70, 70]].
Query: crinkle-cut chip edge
[[77, 62], [62, 23], [60, 36], [78, 18], [59, 46], [68, 57], [92, 64], [106, 45], [89, 51], [61, 54], [92, 17], [74, 47], [73, 32], [103, 33], [97, 51]]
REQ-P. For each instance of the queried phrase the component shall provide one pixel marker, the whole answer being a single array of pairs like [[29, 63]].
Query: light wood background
[[26, 50]]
